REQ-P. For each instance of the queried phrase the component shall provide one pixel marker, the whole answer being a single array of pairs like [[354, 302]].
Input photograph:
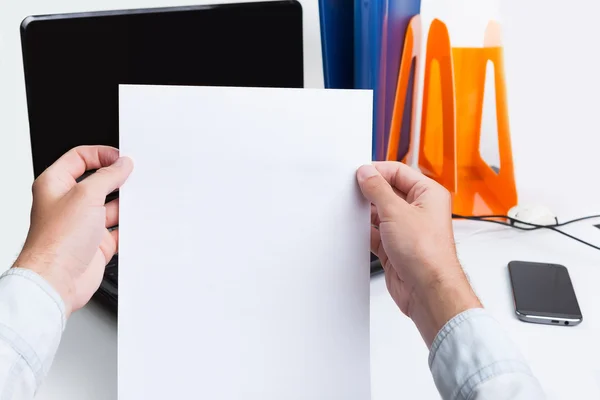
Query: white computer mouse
[[533, 214]]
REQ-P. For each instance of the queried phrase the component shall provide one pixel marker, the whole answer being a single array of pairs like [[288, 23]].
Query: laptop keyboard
[[111, 273]]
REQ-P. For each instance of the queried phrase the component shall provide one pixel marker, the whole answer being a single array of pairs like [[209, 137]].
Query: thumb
[[378, 191], [108, 179]]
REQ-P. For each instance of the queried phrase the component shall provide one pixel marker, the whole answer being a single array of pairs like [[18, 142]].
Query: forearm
[[439, 298], [471, 356], [31, 324]]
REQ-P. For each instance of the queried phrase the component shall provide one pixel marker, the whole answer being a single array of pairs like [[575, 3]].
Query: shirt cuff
[[32, 318], [470, 349]]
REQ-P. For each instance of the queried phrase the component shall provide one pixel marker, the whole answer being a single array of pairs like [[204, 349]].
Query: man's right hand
[[412, 236]]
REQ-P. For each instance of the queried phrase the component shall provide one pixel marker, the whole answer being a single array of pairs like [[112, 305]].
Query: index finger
[[78, 160], [399, 175]]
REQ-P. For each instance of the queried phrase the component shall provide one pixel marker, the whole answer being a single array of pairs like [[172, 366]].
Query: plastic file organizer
[[380, 30], [400, 132], [462, 52]]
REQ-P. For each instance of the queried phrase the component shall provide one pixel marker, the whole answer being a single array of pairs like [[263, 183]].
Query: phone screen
[[543, 289]]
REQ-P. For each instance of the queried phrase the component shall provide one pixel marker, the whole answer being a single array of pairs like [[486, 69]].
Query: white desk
[[86, 364], [545, 112]]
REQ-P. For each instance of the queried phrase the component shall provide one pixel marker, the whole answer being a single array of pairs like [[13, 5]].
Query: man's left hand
[[69, 243]]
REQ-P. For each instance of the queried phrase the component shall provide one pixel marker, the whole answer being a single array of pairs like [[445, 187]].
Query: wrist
[[439, 299], [45, 266]]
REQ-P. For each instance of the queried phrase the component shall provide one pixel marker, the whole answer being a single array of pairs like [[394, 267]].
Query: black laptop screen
[[74, 63]]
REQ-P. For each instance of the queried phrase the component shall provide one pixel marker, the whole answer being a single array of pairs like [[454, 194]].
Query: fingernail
[[119, 162], [366, 172]]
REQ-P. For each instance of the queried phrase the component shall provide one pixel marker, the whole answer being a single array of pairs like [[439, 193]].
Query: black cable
[[376, 267], [486, 218], [531, 227], [577, 220], [574, 238], [494, 221]]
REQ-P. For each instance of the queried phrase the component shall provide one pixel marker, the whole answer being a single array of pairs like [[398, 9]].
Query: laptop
[[73, 64]]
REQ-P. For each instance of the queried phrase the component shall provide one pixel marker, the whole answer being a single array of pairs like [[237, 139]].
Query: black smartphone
[[544, 294]]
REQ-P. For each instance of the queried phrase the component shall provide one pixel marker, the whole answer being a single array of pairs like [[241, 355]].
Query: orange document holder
[[410, 60], [453, 99]]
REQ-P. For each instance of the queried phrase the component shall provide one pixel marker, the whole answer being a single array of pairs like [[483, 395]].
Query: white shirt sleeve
[[32, 319], [472, 358]]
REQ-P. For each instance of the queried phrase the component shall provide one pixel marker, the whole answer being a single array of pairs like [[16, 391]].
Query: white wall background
[[553, 64]]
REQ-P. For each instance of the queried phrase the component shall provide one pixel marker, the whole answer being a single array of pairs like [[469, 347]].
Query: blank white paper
[[244, 244]]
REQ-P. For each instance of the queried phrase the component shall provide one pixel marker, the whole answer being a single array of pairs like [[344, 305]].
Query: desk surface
[[555, 144]]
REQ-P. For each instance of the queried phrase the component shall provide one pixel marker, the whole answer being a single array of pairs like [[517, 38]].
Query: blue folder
[[367, 42], [337, 31], [380, 30]]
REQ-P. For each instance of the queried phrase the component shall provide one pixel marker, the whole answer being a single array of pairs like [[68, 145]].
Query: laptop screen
[[74, 63]]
